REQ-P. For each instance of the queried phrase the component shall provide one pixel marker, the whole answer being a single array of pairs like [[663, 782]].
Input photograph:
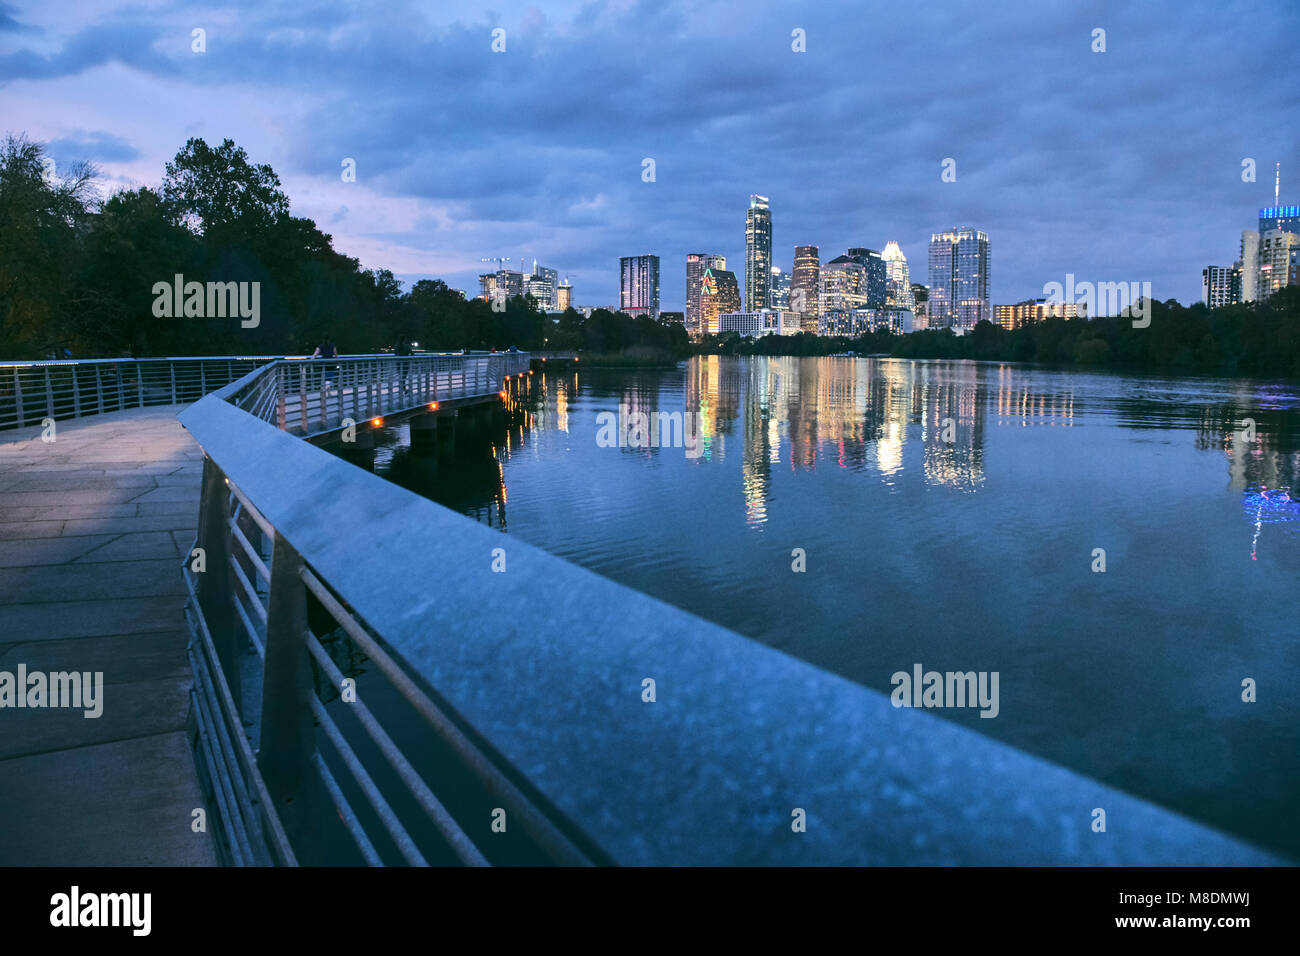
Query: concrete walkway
[[93, 527]]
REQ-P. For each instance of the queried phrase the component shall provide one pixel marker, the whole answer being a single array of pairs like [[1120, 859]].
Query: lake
[[955, 515]]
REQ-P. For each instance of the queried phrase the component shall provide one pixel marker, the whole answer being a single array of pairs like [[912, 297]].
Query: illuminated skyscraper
[[719, 293], [898, 290], [1275, 250], [696, 263], [780, 294], [1249, 265], [638, 286], [758, 254], [805, 286], [1221, 285], [874, 276], [959, 279]]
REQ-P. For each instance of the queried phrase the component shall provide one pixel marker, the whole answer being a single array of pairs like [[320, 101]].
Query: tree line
[[78, 273]]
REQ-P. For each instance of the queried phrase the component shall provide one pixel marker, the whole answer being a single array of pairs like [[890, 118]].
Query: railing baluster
[[214, 585], [288, 740]]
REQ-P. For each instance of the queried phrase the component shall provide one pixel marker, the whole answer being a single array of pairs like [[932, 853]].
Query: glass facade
[[959, 280], [638, 286], [758, 254]]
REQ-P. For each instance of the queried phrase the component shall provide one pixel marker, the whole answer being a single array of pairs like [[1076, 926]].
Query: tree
[[220, 194]]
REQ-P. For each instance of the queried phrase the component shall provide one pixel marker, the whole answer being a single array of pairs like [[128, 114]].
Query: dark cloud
[[1114, 166]]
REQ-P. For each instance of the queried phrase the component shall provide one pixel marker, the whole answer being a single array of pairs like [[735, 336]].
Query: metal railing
[[31, 392], [534, 681]]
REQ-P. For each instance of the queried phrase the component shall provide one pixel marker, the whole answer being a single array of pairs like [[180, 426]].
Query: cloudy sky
[[1117, 166]]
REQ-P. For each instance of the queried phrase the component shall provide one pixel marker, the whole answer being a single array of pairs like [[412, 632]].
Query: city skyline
[[436, 189]]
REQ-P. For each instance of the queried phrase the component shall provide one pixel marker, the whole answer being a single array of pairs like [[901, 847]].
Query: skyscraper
[[638, 285], [541, 285], [1275, 249], [844, 285], [1249, 265], [959, 279], [780, 294], [875, 283], [805, 286], [1221, 285], [719, 294], [758, 254], [898, 291], [696, 263]]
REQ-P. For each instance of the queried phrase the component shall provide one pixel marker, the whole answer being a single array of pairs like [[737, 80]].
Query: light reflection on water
[[949, 512]]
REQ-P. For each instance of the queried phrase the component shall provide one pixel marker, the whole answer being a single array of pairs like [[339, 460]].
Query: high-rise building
[[696, 263], [959, 279], [1249, 265], [719, 294], [898, 284], [875, 275], [780, 294], [805, 286], [638, 285], [1221, 285], [758, 254], [1275, 250], [844, 285], [564, 297], [921, 305], [541, 285], [1285, 218], [505, 283]]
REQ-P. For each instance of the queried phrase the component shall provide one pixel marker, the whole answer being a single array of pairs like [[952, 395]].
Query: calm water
[[973, 553]]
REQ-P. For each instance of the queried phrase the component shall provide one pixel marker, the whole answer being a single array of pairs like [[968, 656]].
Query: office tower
[[758, 254], [1249, 265], [1275, 249], [898, 289], [1221, 285], [805, 286], [844, 285], [921, 305], [875, 275], [505, 283], [564, 297], [542, 285], [696, 263], [959, 279], [719, 293], [638, 285], [780, 295]]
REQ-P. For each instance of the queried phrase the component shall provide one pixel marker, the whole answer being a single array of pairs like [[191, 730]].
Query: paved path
[[92, 530]]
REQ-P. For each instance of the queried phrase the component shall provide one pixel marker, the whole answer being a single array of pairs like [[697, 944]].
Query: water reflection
[[949, 511]]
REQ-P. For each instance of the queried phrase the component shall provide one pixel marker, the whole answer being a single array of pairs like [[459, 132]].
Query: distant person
[[326, 350]]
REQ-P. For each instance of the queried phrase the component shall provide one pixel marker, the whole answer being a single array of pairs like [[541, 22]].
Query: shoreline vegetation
[[78, 271]]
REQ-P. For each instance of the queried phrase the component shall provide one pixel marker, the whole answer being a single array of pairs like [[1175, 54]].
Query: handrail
[[36, 390], [533, 678]]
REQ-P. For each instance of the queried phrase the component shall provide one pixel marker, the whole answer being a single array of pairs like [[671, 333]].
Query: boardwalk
[[92, 530]]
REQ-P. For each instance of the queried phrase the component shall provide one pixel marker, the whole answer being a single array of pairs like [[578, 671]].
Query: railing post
[[99, 389], [288, 728], [18, 399], [139, 378], [49, 394], [214, 588], [76, 392], [302, 397], [171, 366]]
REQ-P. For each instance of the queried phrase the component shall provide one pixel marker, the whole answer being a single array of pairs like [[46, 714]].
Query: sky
[[1122, 165]]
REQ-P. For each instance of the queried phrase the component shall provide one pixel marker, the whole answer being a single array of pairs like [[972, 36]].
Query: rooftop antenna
[[1277, 187]]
